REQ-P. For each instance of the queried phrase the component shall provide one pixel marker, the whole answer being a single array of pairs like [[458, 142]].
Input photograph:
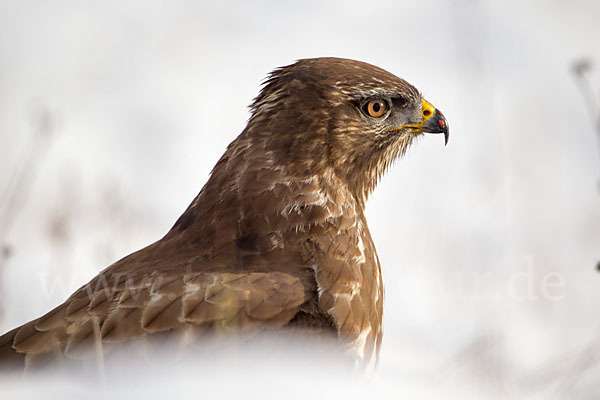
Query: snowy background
[[112, 114]]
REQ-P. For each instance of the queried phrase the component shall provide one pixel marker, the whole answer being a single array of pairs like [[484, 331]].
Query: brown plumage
[[277, 238]]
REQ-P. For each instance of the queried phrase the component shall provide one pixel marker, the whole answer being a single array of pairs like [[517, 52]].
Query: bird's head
[[344, 114]]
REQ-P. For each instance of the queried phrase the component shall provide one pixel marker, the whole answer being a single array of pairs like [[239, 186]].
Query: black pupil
[[376, 107]]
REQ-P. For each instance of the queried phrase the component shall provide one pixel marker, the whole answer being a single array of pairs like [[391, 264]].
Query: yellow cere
[[428, 111]]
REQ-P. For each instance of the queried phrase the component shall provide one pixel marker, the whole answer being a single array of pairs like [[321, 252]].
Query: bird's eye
[[376, 108]]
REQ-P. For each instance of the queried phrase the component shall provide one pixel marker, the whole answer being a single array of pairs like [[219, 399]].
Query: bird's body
[[276, 239]]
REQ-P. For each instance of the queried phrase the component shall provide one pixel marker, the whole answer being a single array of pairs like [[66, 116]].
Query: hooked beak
[[433, 121]]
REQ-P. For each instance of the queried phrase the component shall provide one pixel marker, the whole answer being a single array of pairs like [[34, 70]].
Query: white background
[[488, 245]]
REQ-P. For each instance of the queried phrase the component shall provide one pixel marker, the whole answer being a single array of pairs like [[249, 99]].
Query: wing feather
[[198, 301]]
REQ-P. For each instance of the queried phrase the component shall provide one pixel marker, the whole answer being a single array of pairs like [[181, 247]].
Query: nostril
[[427, 113]]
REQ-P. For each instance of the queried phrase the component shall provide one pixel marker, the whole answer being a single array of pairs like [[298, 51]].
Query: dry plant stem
[[589, 96], [21, 180]]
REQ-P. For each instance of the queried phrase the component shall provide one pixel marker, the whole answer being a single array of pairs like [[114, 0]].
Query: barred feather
[[277, 238]]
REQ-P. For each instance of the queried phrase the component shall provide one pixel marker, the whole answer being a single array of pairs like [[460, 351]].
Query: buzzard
[[276, 239]]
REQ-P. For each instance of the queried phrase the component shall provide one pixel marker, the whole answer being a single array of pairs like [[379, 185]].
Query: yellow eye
[[376, 108]]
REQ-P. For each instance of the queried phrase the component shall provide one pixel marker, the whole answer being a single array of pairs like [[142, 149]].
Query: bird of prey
[[276, 239]]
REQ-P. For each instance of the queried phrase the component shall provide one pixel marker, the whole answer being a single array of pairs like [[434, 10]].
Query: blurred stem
[[590, 98], [15, 195], [580, 69], [20, 182]]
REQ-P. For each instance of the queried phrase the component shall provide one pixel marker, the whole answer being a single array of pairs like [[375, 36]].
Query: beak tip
[[435, 122]]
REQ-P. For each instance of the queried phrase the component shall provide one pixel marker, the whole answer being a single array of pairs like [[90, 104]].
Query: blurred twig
[[14, 196], [563, 372], [478, 358], [581, 70]]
